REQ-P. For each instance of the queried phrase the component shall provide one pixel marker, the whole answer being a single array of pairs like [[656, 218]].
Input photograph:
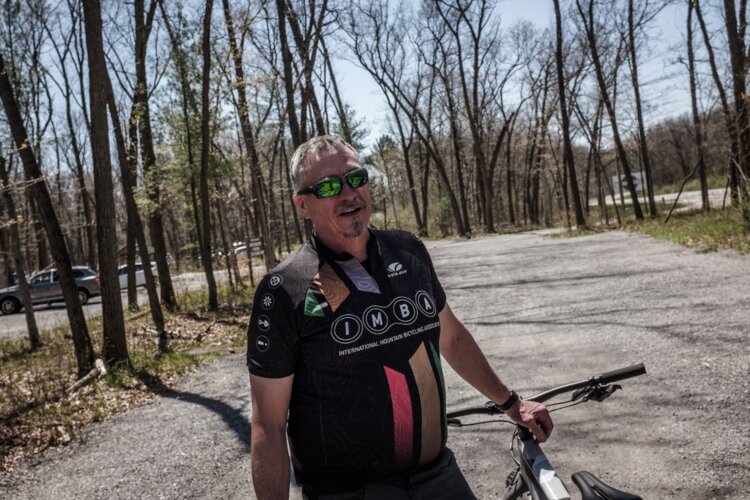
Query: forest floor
[[37, 409]]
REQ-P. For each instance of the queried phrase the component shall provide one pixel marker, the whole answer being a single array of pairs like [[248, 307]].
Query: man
[[345, 340]]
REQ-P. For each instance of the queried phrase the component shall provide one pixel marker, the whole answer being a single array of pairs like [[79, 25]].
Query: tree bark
[[213, 301], [697, 122], [286, 57], [568, 159], [115, 347], [738, 57], [639, 111], [731, 126], [148, 155], [128, 175]]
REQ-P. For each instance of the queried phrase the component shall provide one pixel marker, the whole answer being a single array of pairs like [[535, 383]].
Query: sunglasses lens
[[327, 188], [358, 178]]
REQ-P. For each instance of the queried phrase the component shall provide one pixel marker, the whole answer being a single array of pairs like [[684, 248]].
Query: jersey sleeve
[[437, 288], [272, 339]]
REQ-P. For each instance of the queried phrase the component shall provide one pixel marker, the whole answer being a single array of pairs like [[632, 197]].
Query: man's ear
[[299, 201]]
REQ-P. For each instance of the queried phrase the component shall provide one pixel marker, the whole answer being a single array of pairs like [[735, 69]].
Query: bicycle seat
[[593, 488]]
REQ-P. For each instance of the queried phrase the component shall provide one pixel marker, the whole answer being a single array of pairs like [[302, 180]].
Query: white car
[[140, 278]]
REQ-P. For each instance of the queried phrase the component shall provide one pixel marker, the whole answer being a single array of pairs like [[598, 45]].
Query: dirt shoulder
[[546, 311]]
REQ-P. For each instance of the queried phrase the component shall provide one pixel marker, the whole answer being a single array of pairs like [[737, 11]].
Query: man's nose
[[347, 191]]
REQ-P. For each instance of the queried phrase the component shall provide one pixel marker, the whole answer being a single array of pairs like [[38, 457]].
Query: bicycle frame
[[536, 472]]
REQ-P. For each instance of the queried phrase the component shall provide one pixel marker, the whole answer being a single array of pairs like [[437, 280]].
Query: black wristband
[[512, 400]]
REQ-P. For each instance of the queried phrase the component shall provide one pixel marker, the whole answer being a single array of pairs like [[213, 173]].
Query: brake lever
[[597, 392], [579, 393], [602, 392]]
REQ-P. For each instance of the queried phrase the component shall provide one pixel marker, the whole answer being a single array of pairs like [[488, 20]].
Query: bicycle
[[535, 476]]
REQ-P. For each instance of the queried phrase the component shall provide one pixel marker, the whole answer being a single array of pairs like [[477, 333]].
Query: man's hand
[[534, 416]]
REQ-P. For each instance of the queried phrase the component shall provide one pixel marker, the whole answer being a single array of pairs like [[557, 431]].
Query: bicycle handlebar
[[601, 379]]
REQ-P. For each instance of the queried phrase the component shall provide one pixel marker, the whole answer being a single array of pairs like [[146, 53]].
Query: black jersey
[[363, 344]]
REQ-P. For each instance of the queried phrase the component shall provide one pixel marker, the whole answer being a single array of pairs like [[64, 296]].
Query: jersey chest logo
[[377, 320]]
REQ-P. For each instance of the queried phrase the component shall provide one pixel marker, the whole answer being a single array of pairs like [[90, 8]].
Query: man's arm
[[268, 449], [459, 348]]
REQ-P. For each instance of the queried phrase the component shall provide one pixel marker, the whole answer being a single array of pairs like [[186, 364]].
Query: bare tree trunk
[[148, 155], [130, 249], [81, 340], [213, 302], [115, 347], [734, 158], [567, 144], [737, 52], [286, 57], [18, 259], [697, 122], [128, 176], [639, 111], [341, 109]]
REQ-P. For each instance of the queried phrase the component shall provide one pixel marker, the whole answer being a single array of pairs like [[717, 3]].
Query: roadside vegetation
[[37, 409], [714, 181], [702, 231]]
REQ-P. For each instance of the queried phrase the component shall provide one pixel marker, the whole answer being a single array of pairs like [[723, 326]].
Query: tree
[[643, 143], [731, 126], [142, 117], [135, 225], [256, 181], [738, 58], [697, 122], [18, 258], [589, 22], [567, 144], [213, 302], [115, 347], [379, 45], [81, 340]]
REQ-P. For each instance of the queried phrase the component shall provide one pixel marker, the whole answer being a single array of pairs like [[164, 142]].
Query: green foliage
[[444, 217], [357, 128]]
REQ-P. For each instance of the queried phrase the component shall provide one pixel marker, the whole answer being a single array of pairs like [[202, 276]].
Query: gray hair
[[311, 147]]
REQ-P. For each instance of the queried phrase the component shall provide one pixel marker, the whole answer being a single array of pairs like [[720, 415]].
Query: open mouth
[[350, 212]]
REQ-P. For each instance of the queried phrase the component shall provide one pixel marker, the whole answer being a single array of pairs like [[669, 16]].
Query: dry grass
[[35, 411], [702, 231]]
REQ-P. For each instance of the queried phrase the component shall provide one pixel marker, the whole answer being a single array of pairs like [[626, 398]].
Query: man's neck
[[356, 246]]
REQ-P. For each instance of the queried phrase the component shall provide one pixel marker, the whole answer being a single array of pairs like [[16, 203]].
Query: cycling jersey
[[368, 399]]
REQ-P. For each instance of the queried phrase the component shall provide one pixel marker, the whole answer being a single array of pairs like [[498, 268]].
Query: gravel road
[[546, 311]]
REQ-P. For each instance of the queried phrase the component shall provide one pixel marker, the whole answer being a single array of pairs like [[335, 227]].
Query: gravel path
[[546, 311]]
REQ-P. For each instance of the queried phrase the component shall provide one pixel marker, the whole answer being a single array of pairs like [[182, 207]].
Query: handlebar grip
[[621, 374]]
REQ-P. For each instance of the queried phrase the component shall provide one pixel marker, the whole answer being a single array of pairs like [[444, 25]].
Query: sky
[[664, 82]]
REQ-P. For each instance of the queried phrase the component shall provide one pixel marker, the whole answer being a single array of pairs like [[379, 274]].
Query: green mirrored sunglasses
[[331, 186]]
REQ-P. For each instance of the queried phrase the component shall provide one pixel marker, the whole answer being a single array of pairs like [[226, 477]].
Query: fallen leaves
[[36, 413]]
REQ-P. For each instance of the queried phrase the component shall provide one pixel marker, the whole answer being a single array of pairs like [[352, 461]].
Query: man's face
[[338, 217]]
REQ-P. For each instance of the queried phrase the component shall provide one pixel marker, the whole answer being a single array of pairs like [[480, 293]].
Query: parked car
[[45, 289], [140, 278]]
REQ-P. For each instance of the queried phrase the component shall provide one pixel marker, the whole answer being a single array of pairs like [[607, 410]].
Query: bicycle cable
[[482, 422]]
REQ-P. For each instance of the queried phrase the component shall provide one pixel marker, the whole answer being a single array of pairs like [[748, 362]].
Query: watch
[[508, 404]]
